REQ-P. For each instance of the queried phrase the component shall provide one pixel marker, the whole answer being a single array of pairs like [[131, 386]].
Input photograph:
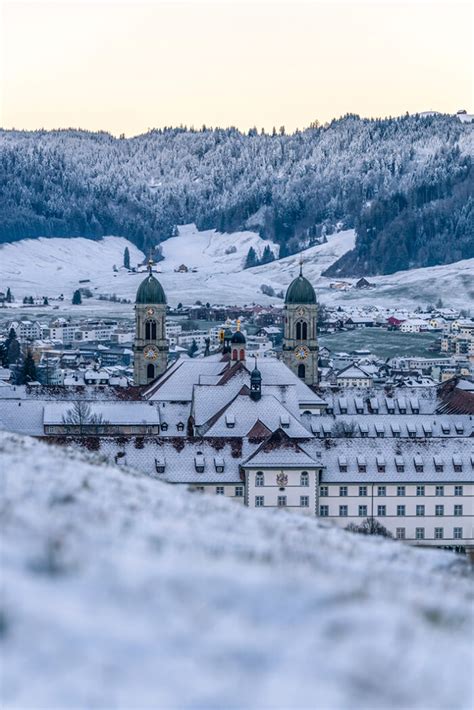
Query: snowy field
[[122, 592], [52, 266]]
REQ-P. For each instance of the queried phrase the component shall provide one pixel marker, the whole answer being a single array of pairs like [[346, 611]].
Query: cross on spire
[[150, 262], [301, 264]]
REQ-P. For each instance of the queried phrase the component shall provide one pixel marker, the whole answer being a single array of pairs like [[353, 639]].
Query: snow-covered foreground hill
[[53, 266], [122, 592]]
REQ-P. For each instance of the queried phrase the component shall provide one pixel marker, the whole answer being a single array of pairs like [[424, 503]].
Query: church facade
[[150, 349], [300, 341]]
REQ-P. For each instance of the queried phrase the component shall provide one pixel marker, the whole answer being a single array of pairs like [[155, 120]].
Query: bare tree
[[369, 526], [81, 415]]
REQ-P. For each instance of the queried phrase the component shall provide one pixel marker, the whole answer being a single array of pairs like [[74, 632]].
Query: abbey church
[[300, 344]]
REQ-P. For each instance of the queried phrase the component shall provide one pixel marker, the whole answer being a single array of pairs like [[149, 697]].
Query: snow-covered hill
[[122, 592], [53, 266]]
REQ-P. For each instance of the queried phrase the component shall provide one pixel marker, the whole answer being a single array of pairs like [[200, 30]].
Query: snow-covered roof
[[123, 412]]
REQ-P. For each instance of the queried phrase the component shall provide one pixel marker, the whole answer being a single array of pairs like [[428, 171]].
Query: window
[[420, 509], [180, 426], [323, 491], [343, 511], [363, 511], [457, 533], [363, 491], [301, 330], [164, 426], [324, 511], [420, 490], [400, 533], [381, 510], [440, 490], [239, 491], [400, 490], [259, 501], [281, 501], [381, 491], [259, 479], [220, 490], [343, 491], [458, 490], [458, 510], [304, 479], [301, 371], [439, 510], [304, 501], [420, 533], [150, 371], [400, 510], [150, 330], [439, 533]]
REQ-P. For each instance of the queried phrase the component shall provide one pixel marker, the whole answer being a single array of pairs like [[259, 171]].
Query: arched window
[[301, 330], [242, 354], [234, 354], [150, 371], [259, 479], [150, 330], [304, 479], [301, 371]]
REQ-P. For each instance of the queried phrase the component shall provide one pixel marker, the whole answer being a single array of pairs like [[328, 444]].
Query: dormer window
[[230, 420], [411, 429], [380, 431], [445, 428], [219, 464], [199, 462], [361, 464], [164, 426], [399, 464], [459, 426], [160, 465], [438, 464], [457, 464], [418, 461], [285, 421], [180, 426], [342, 464], [380, 464]]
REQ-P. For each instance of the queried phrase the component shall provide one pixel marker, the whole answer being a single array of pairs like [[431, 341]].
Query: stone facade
[[150, 346], [300, 344]]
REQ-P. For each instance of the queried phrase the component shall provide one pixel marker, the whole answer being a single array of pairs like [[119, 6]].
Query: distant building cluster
[[268, 418]]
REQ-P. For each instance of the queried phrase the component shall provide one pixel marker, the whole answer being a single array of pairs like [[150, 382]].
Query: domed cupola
[[237, 346], [300, 290], [150, 291]]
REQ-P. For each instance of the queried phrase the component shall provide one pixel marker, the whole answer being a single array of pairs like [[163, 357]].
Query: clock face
[[150, 352], [150, 311], [301, 352], [301, 311]]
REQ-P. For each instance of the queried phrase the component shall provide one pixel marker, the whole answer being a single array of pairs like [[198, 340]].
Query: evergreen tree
[[28, 370], [251, 259], [126, 258], [267, 255], [9, 296], [76, 298]]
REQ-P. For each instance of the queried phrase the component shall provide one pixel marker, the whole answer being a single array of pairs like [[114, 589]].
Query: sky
[[126, 67]]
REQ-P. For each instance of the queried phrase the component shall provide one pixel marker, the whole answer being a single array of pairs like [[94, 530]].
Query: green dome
[[300, 291], [150, 291]]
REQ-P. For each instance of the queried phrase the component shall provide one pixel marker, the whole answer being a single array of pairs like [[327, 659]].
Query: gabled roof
[[258, 431], [280, 450]]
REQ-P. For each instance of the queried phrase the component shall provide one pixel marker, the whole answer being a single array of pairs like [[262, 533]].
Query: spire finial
[[150, 262], [301, 264]]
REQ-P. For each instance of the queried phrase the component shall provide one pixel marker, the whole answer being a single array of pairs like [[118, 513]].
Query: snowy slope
[[122, 592], [53, 266]]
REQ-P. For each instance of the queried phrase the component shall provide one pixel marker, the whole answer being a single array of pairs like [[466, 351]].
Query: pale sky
[[129, 66]]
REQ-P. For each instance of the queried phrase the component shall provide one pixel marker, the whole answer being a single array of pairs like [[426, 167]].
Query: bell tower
[[300, 343], [150, 347]]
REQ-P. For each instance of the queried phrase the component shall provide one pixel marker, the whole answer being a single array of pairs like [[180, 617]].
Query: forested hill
[[406, 184]]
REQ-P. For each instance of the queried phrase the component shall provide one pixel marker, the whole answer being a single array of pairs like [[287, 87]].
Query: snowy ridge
[[123, 592], [52, 266]]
